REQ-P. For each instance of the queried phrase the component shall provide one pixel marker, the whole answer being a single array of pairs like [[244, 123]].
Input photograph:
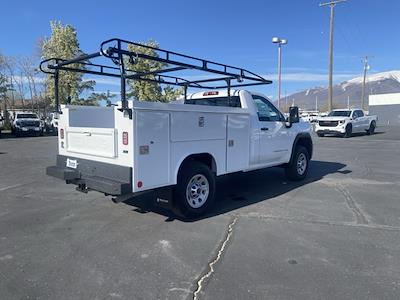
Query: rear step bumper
[[92, 175]]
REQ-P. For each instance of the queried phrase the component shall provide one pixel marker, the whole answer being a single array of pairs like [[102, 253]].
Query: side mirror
[[293, 116]]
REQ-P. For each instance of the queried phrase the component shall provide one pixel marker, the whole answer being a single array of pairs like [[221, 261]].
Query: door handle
[[264, 128]]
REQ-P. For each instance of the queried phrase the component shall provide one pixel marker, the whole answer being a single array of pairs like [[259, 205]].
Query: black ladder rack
[[117, 51]]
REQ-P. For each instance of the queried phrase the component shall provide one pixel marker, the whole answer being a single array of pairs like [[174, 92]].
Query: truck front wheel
[[298, 167], [195, 191], [371, 128], [349, 131]]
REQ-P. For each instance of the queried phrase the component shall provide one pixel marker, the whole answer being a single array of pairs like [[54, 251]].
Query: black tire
[[182, 194], [349, 131], [371, 129], [320, 134], [292, 171]]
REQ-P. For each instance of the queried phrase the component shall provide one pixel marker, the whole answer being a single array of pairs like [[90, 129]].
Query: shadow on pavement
[[364, 134], [9, 135], [242, 189]]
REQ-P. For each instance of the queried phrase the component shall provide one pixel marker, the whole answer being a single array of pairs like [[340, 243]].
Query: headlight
[[341, 122], [18, 123]]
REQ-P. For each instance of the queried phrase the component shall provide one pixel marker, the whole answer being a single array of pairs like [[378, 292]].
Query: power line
[[332, 5]]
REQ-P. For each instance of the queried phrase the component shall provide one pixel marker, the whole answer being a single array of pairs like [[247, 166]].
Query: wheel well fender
[[205, 158], [303, 139]]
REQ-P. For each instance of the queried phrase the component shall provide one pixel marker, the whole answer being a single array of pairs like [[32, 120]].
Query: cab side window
[[355, 115], [360, 113], [265, 110]]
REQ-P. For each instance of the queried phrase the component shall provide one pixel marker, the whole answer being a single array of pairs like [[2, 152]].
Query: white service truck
[[345, 122], [180, 145], [175, 149]]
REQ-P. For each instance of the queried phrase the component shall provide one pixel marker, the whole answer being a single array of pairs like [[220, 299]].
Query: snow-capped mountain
[[377, 83]]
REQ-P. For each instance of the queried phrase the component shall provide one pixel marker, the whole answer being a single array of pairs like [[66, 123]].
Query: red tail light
[[125, 139], [62, 133]]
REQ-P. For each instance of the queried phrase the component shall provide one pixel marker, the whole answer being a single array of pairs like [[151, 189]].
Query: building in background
[[386, 107]]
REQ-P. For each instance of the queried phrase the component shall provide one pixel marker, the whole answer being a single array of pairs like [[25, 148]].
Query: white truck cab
[[175, 149], [345, 122]]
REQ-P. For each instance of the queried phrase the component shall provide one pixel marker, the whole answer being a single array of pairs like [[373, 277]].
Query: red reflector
[[62, 133], [210, 93], [125, 138], [139, 184]]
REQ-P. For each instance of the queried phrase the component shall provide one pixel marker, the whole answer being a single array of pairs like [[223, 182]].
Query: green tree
[[63, 43], [149, 91]]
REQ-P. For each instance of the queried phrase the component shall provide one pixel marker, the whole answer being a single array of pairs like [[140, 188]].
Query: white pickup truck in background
[[27, 123], [181, 145], [345, 122]]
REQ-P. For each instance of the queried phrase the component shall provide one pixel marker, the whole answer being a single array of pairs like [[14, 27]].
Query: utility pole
[[280, 42], [366, 67], [332, 5]]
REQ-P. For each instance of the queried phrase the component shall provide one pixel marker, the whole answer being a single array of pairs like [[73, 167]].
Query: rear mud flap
[[164, 197]]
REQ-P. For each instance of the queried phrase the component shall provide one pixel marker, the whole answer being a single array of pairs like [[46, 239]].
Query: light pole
[[280, 42], [332, 5]]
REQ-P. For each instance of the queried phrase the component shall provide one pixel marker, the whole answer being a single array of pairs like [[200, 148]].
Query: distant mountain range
[[378, 83]]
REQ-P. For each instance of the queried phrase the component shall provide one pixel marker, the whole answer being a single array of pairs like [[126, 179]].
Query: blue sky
[[233, 32]]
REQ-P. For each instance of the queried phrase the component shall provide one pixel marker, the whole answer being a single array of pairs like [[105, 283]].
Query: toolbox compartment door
[[92, 141]]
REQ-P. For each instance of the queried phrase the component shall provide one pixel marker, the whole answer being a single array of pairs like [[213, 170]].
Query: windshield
[[340, 113], [27, 116]]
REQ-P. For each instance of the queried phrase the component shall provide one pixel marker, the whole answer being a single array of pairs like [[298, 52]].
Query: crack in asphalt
[[211, 270], [360, 216]]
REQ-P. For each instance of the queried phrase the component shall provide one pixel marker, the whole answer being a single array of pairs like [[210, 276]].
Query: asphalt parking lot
[[334, 236]]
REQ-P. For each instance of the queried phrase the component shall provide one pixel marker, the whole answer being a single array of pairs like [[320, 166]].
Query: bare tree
[[19, 80], [10, 64], [30, 73]]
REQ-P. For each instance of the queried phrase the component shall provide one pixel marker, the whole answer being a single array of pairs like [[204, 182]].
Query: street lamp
[[280, 42]]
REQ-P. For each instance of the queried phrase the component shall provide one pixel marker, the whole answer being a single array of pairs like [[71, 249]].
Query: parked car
[[1, 124], [27, 123], [309, 116], [51, 123], [345, 122]]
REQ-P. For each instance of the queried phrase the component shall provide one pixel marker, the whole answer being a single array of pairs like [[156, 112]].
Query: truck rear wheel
[[195, 191], [298, 167]]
